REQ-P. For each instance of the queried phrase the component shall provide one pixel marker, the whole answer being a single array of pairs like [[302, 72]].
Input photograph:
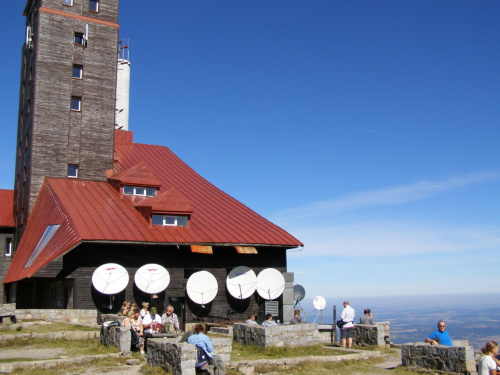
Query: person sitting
[[135, 324], [488, 363], [152, 321], [124, 309], [251, 320], [269, 322], [440, 337], [170, 321], [144, 310], [296, 317], [201, 340], [367, 318]]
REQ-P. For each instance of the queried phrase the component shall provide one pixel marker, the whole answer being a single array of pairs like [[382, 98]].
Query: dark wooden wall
[[79, 265]]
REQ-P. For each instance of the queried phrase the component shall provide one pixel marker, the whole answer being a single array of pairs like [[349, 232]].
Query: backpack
[[201, 357]]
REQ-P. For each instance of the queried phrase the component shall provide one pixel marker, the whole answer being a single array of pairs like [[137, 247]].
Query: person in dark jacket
[[296, 317]]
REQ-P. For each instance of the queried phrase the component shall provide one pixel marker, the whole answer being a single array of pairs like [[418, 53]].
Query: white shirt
[[348, 316], [485, 365]]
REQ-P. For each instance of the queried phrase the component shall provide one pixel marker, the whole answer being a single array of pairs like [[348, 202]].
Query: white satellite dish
[[319, 303], [202, 287], [241, 282], [152, 278], [270, 283], [110, 278]]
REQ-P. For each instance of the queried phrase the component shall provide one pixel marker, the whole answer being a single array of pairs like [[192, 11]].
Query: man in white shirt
[[347, 331]]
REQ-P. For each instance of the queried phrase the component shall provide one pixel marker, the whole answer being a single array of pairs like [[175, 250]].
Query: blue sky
[[369, 130]]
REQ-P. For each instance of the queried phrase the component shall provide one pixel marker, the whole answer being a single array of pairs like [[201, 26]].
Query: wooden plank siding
[[80, 263]]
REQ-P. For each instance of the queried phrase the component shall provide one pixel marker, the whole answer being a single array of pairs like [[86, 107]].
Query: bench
[[8, 319]]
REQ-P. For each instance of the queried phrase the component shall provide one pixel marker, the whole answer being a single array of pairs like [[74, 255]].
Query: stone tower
[[67, 95]]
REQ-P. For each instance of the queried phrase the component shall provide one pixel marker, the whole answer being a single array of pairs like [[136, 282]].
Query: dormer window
[[171, 220], [141, 191]]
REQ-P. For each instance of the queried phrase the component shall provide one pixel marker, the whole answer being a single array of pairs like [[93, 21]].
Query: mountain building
[[86, 195]]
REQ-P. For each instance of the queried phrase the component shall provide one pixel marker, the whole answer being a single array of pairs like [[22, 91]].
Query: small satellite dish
[[319, 303], [270, 283], [298, 293], [202, 287], [110, 278], [152, 278], [241, 282]]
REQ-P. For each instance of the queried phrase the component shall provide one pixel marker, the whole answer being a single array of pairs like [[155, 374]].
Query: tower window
[[68, 2], [170, 220], [78, 39], [8, 247], [76, 103], [73, 171], [94, 5], [77, 71]]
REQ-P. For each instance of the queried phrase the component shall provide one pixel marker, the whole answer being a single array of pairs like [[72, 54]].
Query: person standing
[[347, 331], [156, 302]]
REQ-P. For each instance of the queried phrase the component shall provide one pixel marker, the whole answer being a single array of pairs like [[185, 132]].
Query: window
[[94, 5], [68, 2], [76, 103], [8, 247], [180, 221], [44, 240], [135, 190], [79, 39], [77, 71], [73, 170]]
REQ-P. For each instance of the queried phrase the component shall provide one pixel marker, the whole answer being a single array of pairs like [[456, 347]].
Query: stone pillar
[[288, 300]]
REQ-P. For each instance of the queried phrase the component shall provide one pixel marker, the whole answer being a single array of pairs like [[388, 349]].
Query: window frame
[[8, 247], [79, 98], [80, 70], [68, 5], [176, 220], [76, 171], [79, 36], [134, 188], [97, 6]]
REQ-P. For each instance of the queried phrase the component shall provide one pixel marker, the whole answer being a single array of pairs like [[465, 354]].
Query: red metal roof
[[96, 211], [6, 208]]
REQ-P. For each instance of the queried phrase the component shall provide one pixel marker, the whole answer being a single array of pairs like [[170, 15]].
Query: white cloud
[[382, 197], [393, 239]]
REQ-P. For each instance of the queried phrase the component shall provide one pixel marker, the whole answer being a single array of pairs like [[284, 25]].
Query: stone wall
[[180, 358], [372, 335], [80, 317], [116, 336], [172, 356], [295, 335], [446, 359]]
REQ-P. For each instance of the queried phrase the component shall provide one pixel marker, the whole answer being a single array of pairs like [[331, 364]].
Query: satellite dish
[[298, 293], [152, 278], [110, 278], [319, 303], [241, 282], [270, 283], [202, 287]]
